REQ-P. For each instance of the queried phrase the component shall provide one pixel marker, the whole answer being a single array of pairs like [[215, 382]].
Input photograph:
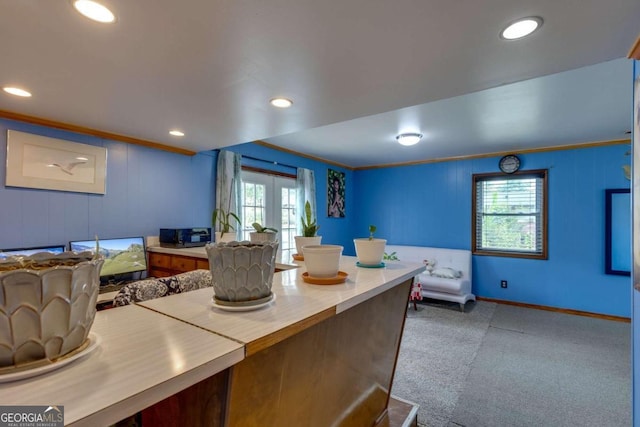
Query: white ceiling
[[359, 72]]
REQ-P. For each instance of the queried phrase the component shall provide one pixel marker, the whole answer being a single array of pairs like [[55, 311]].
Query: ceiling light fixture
[[409, 138], [95, 11], [281, 102], [176, 132], [17, 91], [521, 28]]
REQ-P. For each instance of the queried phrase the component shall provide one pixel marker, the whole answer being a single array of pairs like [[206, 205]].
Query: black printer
[[184, 237]]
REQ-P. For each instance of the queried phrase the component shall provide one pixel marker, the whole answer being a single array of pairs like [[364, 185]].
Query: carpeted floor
[[498, 365]]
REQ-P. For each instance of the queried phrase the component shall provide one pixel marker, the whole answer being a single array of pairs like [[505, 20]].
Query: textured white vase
[[242, 271], [322, 260], [369, 252], [302, 241], [48, 305]]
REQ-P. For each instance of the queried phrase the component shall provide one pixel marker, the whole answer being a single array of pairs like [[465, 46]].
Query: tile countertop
[[142, 357], [297, 305]]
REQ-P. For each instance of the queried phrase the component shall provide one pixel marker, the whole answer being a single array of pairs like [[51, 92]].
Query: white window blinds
[[510, 213]]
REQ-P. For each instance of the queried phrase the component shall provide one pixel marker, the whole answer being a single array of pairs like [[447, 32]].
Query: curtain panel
[[229, 185]]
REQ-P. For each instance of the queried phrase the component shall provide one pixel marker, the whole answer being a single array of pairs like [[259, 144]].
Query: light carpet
[[499, 365]]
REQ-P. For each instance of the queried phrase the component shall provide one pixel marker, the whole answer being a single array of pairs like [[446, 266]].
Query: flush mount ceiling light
[[94, 10], [176, 132], [17, 91], [521, 28], [281, 102], [409, 138]]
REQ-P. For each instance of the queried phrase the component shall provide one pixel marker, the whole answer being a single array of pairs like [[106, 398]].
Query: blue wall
[[146, 189], [427, 205], [430, 205]]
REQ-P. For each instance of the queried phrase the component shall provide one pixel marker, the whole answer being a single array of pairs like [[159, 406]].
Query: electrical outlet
[[503, 283]]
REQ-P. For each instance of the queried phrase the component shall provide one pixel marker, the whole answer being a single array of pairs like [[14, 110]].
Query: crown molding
[[10, 115]]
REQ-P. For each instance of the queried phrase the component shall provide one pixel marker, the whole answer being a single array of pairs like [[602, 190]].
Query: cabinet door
[[159, 260], [182, 264]]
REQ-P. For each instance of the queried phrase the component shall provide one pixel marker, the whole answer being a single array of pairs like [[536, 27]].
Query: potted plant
[[222, 221], [370, 250], [309, 230], [242, 272], [262, 234]]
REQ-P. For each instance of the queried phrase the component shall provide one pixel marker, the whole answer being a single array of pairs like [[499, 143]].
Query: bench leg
[[461, 306]]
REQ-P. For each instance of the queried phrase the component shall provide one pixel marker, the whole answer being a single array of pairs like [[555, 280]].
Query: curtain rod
[[270, 161]]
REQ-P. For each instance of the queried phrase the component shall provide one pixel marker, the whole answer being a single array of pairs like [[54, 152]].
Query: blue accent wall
[[147, 189], [430, 205]]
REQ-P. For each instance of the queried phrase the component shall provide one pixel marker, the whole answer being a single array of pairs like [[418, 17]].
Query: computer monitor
[[123, 257], [54, 249]]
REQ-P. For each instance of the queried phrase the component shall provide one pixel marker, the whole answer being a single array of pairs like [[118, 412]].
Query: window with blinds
[[510, 214]]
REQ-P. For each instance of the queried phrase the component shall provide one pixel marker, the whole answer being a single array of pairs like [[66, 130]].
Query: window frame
[[272, 180], [537, 173]]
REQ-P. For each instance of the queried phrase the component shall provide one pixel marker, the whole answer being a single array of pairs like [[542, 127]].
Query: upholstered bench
[[448, 274], [143, 290]]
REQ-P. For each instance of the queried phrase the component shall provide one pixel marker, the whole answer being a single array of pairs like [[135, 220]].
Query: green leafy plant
[[390, 257], [372, 229], [309, 227], [260, 229], [223, 219]]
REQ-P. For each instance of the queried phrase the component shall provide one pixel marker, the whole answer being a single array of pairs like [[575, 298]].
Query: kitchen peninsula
[[317, 356]]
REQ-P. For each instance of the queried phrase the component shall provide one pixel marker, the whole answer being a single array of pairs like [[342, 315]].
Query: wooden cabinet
[[163, 265]]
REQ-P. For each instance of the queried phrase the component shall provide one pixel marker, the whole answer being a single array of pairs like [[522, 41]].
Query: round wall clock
[[509, 163]]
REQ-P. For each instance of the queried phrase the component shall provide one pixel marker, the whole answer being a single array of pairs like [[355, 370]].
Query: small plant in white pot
[[309, 230], [221, 221], [370, 250], [263, 234]]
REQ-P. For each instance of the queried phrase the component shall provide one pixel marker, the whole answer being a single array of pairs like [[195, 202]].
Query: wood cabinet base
[[338, 372]]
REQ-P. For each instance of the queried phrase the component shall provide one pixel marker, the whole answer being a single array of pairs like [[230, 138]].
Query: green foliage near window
[[309, 227], [260, 229], [223, 220]]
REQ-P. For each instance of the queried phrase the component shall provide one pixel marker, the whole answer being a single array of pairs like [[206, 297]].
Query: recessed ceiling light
[[281, 102], [521, 28], [409, 138], [176, 132], [17, 91], [94, 10]]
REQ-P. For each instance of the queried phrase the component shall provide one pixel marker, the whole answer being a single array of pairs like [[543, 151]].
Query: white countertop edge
[[125, 408]]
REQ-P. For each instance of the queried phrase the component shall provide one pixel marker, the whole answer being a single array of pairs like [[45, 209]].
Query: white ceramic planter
[[229, 236], [322, 260], [262, 237], [242, 271], [369, 252], [48, 307], [302, 241]]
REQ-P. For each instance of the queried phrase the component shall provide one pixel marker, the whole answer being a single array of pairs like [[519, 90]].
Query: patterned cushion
[[144, 290]]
